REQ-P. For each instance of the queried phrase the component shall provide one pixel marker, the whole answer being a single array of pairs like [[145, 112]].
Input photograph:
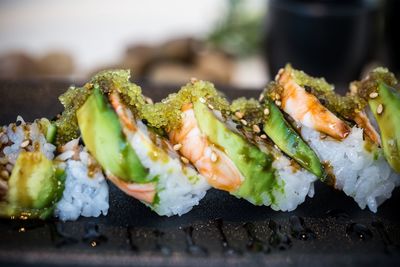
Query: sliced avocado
[[101, 131], [386, 110], [48, 128], [35, 186], [254, 165], [289, 141]]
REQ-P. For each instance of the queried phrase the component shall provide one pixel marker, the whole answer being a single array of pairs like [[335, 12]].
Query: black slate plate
[[328, 229]]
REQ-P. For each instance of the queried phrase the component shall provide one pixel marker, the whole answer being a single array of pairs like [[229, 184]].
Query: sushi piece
[[339, 133], [230, 153], [381, 98], [137, 159], [38, 182], [30, 183]]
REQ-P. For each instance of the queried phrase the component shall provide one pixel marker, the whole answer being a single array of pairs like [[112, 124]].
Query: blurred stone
[[56, 64], [138, 58], [183, 49], [174, 73], [216, 64], [17, 65]]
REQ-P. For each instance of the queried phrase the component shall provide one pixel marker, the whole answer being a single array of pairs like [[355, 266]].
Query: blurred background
[[233, 42]]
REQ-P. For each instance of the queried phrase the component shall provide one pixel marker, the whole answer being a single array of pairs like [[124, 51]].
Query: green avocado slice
[[102, 133], [35, 186], [386, 110], [289, 141], [254, 165]]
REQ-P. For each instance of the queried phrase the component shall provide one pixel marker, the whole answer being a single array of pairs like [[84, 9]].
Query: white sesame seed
[[177, 147], [210, 106], [373, 95], [379, 109], [25, 143], [261, 97], [256, 129], [213, 156], [277, 77], [278, 103], [149, 100], [266, 111], [277, 96], [202, 100], [239, 115], [184, 160], [263, 136], [193, 80], [244, 122]]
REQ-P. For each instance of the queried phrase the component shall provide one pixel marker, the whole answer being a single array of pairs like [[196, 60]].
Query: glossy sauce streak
[[255, 244], [92, 236], [358, 231], [59, 237], [165, 250], [191, 247], [278, 239], [299, 230], [227, 249]]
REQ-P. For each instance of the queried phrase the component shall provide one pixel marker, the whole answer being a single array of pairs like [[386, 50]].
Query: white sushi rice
[[297, 184], [86, 189], [179, 187], [363, 175]]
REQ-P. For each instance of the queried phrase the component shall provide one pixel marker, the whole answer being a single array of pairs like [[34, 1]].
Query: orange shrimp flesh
[[305, 108], [210, 161], [364, 123], [145, 192]]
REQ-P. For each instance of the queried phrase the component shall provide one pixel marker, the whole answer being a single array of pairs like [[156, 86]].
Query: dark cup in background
[[392, 34], [329, 38]]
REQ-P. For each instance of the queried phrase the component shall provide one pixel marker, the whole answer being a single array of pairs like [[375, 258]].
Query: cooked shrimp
[[210, 161], [306, 108], [144, 192], [363, 122]]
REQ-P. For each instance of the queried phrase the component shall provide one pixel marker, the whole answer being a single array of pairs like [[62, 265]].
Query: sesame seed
[[379, 109], [149, 100], [263, 136], [266, 111], [244, 122], [202, 100], [277, 96], [184, 160], [213, 156], [261, 97], [210, 106], [193, 80], [277, 77], [18, 123], [373, 95], [256, 129], [278, 103], [4, 174], [239, 115], [25, 143], [177, 147]]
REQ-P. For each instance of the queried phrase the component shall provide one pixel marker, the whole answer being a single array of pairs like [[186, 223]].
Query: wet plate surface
[[328, 229]]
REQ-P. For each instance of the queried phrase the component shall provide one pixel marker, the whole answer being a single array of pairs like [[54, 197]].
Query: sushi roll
[[30, 183], [340, 134], [39, 180], [229, 152], [135, 157]]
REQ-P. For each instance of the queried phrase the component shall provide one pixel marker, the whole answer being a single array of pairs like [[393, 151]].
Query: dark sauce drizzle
[[388, 246], [278, 239], [358, 231], [165, 250], [191, 247], [255, 244], [227, 249], [129, 240], [92, 236], [299, 230], [58, 235]]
